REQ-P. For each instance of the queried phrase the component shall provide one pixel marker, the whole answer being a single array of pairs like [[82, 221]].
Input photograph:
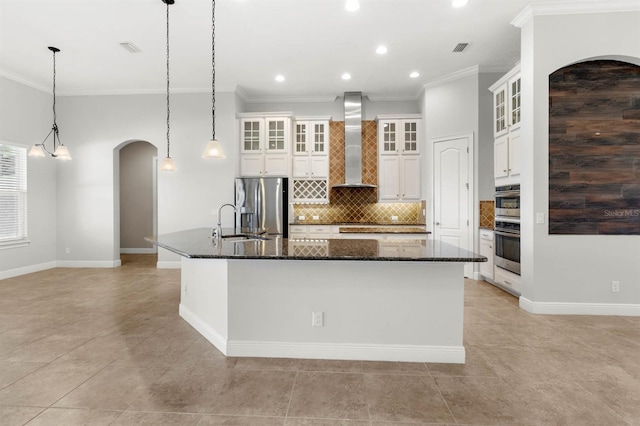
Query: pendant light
[[60, 151], [213, 149], [167, 164]]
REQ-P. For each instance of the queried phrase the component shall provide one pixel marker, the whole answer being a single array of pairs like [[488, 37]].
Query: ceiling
[[310, 42]]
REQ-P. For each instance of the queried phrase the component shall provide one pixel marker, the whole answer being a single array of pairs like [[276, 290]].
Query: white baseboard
[[168, 265], [561, 308], [27, 270], [340, 351], [88, 263], [203, 328], [151, 250]]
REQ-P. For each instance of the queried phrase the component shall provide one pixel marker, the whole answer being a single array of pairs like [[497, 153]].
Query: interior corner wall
[[486, 180], [561, 268], [26, 118], [95, 125], [448, 109]]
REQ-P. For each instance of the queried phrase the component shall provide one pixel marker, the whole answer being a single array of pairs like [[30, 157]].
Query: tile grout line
[[293, 387]]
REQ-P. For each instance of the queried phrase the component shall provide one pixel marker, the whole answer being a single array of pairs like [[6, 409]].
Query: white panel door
[[451, 193]]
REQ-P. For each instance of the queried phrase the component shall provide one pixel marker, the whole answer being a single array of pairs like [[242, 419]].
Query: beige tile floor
[[106, 347]]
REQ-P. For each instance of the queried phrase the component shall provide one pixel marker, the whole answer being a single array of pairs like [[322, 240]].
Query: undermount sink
[[245, 237]]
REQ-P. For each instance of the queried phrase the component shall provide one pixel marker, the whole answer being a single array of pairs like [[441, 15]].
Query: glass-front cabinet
[[399, 158], [310, 159], [264, 144], [507, 108]]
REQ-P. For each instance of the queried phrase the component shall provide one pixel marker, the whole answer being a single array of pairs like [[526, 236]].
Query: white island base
[[372, 310]]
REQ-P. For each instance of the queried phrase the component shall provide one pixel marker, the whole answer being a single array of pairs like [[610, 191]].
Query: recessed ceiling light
[[280, 78], [414, 74], [352, 5], [459, 3], [381, 50], [346, 76]]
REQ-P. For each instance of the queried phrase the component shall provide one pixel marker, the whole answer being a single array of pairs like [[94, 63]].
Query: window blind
[[13, 193]]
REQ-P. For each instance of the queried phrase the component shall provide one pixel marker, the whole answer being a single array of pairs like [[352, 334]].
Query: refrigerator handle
[[257, 225]]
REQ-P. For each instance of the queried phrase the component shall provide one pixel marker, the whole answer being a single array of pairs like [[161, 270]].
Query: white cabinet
[[264, 145], [310, 149], [486, 250], [507, 118], [507, 280], [314, 232], [399, 159]]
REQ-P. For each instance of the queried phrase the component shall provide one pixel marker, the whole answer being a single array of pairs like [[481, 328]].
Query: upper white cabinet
[[399, 158], [264, 145], [311, 149], [507, 117], [310, 160]]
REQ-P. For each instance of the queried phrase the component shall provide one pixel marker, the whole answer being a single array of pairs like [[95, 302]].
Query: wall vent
[[460, 47], [132, 48]]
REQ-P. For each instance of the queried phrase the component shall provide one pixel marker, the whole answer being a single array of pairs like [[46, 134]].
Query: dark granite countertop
[[385, 230], [388, 224], [197, 243]]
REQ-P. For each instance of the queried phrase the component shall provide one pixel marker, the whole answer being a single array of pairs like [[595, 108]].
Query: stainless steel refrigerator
[[262, 205]]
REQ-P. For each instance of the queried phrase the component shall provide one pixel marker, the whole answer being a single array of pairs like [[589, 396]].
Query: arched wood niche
[[594, 149]]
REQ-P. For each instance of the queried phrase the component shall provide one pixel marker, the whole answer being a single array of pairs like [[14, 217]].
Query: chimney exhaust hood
[[353, 142]]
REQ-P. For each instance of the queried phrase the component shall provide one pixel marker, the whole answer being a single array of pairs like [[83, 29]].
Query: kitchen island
[[327, 299]]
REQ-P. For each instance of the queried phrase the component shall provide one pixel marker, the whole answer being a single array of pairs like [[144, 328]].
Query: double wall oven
[[507, 228]]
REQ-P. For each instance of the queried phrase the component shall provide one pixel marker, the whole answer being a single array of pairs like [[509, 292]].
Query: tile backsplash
[[357, 205], [354, 206], [487, 214]]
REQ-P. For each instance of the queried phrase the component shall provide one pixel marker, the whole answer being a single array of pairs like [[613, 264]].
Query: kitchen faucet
[[218, 231]]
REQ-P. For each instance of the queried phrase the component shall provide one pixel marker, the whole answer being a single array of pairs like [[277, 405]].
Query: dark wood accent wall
[[594, 149]]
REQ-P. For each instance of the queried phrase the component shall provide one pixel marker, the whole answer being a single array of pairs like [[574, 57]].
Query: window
[[13, 195]]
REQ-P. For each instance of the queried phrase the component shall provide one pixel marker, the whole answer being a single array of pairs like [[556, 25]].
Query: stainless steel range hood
[[353, 142]]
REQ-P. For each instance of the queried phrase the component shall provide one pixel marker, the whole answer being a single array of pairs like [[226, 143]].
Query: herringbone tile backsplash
[[357, 205]]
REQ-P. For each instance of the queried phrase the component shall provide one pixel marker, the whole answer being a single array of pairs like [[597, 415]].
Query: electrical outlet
[[301, 217], [316, 217], [394, 218], [67, 250], [615, 286], [539, 217], [317, 319]]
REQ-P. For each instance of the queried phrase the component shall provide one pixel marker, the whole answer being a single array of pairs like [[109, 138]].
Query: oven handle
[[507, 193], [507, 234]]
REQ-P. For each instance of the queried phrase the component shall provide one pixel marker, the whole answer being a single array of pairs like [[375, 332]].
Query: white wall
[[556, 268], [335, 109], [186, 197], [450, 108], [26, 118]]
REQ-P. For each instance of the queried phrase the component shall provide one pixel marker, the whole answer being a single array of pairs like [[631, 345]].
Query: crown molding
[[574, 7], [25, 81], [457, 75]]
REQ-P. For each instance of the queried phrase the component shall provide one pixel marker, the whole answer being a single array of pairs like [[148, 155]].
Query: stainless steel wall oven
[[507, 228], [508, 201], [507, 245]]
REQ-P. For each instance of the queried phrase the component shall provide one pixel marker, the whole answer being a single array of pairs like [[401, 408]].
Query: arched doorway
[[136, 197]]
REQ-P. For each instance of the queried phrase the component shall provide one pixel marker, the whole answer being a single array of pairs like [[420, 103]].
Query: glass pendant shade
[[62, 153], [213, 150], [37, 151], [168, 165]]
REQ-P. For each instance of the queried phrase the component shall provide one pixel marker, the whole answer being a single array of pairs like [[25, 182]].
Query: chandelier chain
[[54, 90], [168, 108], [213, 69]]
